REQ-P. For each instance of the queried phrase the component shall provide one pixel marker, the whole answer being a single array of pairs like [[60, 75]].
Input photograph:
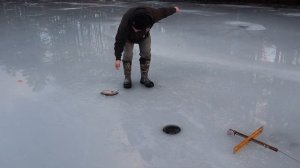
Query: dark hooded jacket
[[125, 31]]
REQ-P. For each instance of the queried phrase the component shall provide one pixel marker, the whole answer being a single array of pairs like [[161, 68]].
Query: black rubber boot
[[144, 65], [127, 73]]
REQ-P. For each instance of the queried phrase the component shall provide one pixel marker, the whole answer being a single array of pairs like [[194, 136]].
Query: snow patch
[[244, 6], [238, 6], [202, 13], [246, 25], [92, 4], [291, 14], [65, 9]]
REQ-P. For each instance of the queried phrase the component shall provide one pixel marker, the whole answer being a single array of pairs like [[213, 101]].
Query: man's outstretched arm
[[161, 13]]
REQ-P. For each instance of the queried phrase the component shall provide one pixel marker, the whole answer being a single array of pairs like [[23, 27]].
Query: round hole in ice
[[171, 129]]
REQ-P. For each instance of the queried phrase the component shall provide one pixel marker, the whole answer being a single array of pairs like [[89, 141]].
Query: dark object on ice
[[109, 92], [171, 129]]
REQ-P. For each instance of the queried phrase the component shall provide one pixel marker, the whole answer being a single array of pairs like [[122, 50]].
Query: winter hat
[[141, 21]]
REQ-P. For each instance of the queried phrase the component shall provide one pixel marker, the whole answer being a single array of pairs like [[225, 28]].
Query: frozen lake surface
[[215, 67]]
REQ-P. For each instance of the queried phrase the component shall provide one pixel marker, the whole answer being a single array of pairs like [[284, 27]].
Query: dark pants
[[145, 50]]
